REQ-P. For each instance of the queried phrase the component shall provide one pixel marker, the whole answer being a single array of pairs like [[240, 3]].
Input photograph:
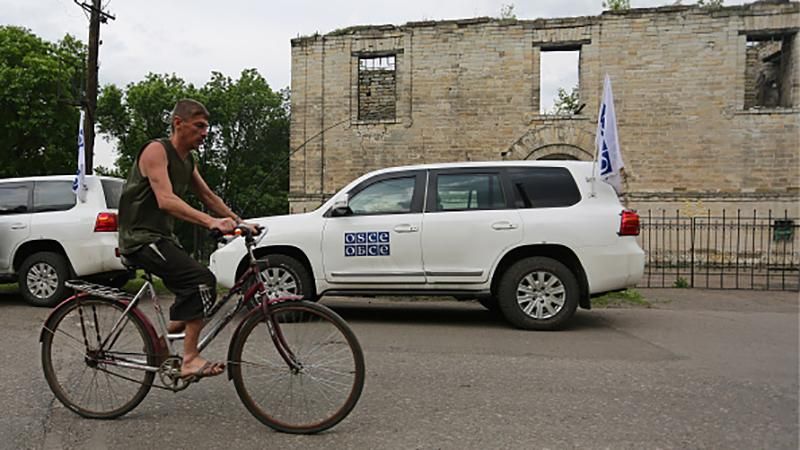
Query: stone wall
[[469, 90]]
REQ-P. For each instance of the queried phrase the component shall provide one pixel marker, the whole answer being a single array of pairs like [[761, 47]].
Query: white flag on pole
[[79, 183], [607, 142]]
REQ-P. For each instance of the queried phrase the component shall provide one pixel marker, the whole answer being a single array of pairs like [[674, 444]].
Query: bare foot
[[198, 367], [176, 326]]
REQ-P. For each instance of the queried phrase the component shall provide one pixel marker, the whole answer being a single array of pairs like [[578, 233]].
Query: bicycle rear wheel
[[317, 394], [90, 381]]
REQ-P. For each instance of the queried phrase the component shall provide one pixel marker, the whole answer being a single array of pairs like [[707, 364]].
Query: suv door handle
[[406, 228], [18, 226], [504, 226]]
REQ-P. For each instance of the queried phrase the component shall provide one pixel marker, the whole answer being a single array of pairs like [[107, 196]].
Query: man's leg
[[176, 326], [192, 362], [194, 288]]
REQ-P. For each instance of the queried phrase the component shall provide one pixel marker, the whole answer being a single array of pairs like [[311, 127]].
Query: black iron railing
[[730, 251]]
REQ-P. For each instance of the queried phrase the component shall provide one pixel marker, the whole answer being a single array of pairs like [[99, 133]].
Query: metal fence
[[731, 251]]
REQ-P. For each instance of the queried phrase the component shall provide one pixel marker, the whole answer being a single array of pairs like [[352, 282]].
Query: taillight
[[106, 221], [629, 224]]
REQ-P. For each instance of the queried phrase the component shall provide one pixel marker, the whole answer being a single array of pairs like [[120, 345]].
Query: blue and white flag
[[608, 151], [79, 183]]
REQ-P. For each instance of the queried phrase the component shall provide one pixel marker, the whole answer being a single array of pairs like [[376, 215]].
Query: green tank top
[[141, 221]]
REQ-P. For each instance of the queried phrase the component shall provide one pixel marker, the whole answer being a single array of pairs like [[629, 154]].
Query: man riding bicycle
[[154, 195]]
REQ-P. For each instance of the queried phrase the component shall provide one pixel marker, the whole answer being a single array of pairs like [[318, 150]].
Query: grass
[[626, 298], [136, 283]]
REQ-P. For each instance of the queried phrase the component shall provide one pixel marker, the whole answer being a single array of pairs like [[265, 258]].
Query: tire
[[287, 276], [538, 293], [42, 277], [76, 377], [318, 396], [489, 303]]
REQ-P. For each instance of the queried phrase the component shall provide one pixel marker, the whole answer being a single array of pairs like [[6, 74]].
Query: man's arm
[[153, 165], [212, 201]]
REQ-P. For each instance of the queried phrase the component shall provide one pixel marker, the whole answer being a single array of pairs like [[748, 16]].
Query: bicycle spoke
[[324, 386], [90, 381]]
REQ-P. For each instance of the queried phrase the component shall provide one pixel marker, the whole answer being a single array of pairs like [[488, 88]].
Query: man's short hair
[[187, 109]]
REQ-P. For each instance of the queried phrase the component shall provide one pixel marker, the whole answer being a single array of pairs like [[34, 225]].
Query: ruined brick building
[[707, 101]]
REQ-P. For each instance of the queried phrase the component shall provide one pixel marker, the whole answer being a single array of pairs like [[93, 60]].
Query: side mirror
[[341, 207]]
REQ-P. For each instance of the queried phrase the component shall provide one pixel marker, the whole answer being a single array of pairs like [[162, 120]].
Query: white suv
[[534, 239], [47, 236]]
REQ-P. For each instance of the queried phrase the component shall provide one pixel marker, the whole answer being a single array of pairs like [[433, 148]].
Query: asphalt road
[[699, 369]]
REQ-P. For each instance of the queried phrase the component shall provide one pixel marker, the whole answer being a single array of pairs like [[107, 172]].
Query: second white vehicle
[[47, 236], [534, 239]]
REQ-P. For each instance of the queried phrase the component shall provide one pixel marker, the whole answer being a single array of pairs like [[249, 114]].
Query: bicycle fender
[[148, 326], [48, 323]]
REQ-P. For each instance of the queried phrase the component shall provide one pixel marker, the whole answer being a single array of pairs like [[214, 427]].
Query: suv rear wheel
[[538, 293], [42, 277]]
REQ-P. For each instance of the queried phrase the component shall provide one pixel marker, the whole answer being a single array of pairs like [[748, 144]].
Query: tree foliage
[[617, 5], [40, 89], [567, 103], [244, 159], [507, 11], [710, 4]]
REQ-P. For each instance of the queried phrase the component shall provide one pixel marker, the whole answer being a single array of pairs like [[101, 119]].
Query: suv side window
[[53, 196], [390, 196], [14, 198], [112, 189], [469, 191], [544, 187]]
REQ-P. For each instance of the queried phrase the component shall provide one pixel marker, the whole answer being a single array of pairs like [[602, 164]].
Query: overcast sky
[[193, 38]]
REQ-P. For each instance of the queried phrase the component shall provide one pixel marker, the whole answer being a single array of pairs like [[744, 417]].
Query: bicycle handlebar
[[240, 230]]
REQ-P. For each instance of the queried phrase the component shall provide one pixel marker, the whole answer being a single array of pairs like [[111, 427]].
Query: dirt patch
[[722, 300]]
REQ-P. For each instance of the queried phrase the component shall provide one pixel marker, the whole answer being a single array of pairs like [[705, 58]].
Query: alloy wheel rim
[[280, 282], [541, 295], [42, 280]]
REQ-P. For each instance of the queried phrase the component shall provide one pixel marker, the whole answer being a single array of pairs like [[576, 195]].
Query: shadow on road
[[9, 296], [440, 313]]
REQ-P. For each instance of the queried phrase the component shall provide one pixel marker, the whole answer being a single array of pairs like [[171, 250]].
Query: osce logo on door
[[366, 243]]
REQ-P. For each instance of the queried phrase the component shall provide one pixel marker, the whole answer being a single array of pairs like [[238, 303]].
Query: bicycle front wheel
[[97, 383], [321, 385]]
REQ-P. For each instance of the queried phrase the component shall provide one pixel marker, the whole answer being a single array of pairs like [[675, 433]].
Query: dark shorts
[[192, 283]]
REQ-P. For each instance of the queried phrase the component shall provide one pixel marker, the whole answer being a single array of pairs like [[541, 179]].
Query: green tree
[[40, 88], [245, 156], [710, 4], [138, 114], [567, 103], [617, 5], [507, 11]]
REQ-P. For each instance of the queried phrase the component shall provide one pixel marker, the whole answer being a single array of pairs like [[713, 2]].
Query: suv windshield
[[112, 189]]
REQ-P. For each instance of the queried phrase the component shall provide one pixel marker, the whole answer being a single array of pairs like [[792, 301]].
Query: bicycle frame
[[245, 288]]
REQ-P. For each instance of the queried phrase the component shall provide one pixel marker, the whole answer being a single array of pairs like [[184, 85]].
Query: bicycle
[[101, 354]]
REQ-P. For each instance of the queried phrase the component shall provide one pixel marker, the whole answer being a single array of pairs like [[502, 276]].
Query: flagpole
[[79, 183]]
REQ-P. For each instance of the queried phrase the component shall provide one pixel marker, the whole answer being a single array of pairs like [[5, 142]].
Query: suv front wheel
[[538, 293], [287, 276], [42, 277]]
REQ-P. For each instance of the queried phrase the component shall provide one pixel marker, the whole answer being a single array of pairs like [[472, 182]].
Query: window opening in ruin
[[559, 69], [377, 88], [768, 71]]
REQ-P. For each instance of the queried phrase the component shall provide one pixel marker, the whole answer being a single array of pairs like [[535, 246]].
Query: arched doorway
[[565, 141]]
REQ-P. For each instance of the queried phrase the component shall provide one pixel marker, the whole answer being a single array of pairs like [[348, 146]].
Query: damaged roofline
[[546, 23]]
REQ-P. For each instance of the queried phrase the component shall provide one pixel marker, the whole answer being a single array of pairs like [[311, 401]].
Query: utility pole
[[90, 102]]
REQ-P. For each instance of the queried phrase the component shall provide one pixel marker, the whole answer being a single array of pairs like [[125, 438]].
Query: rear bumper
[[613, 268], [97, 255]]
